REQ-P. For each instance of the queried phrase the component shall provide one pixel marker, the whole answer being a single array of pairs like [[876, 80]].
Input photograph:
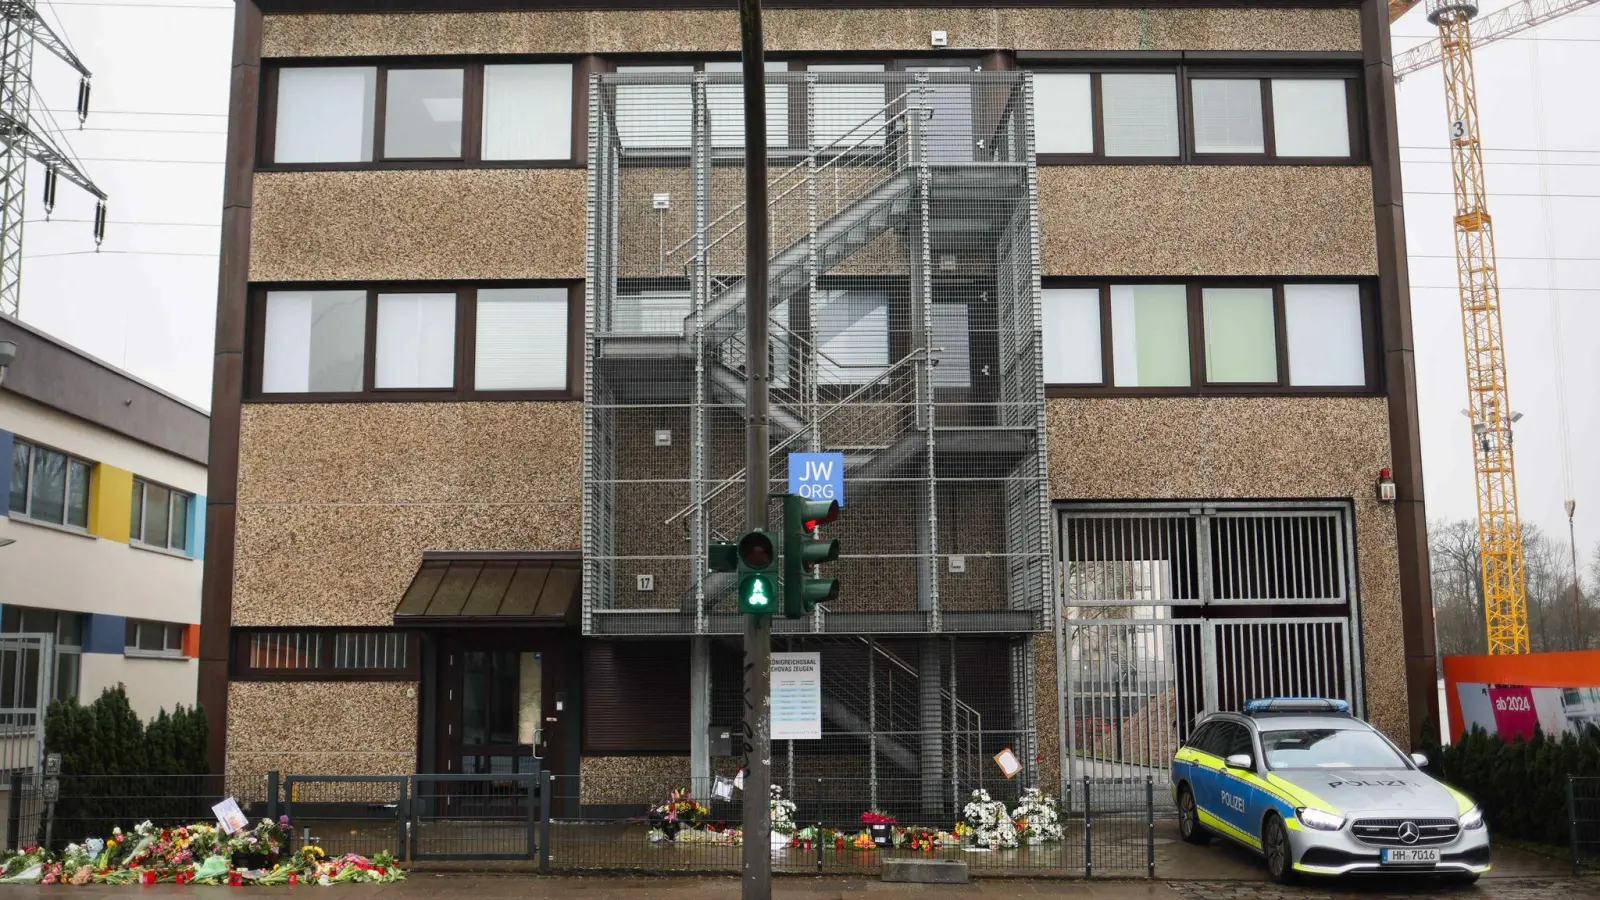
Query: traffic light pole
[[757, 881]]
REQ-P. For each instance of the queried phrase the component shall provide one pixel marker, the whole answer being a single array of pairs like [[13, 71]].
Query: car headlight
[[1472, 819], [1321, 821]]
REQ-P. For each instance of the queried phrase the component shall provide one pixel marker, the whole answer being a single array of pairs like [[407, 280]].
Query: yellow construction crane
[[1488, 404]]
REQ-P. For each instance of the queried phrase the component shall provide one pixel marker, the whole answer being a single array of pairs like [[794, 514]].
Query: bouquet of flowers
[[873, 817], [781, 811], [988, 822], [26, 867], [1038, 818], [680, 811], [923, 839]]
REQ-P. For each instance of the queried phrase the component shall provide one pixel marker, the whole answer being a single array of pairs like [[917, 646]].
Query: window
[[521, 340], [415, 343], [726, 105], [1140, 113], [661, 115], [1227, 116], [160, 516], [850, 112], [1072, 336], [1329, 748], [1241, 335], [19, 661], [325, 115], [326, 655], [527, 111], [1208, 337], [1149, 335], [407, 114], [853, 336], [314, 342], [49, 486], [1230, 116], [154, 639], [1310, 117], [1065, 106]]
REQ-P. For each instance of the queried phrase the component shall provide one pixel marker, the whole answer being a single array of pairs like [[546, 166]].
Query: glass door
[[502, 712]]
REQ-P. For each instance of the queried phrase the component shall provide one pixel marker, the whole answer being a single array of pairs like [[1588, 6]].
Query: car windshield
[[1328, 748]]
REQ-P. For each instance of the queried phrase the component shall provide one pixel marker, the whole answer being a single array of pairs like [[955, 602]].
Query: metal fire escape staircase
[[870, 186]]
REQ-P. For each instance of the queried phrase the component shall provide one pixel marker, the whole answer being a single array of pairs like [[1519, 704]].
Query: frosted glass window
[[422, 114], [521, 341], [849, 114], [853, 336], [725, 102], [1241, 335], [1309, 117], [1072, 337], [952, 335], [654, 115], [314, 342], [527, 112], [1063, 117], [325, 114], [1227, 116], [1326, 348], [416, 341], [1141, 114], [1150, 335]]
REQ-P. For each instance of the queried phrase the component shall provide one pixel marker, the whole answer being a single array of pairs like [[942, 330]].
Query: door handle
[[538, 738]]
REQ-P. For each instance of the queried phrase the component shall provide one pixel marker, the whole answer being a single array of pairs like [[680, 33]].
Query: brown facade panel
[[799, 30], [1113, 221], [418, 224], [319, 728], [395, 453], [348, 564], [1252, 448]]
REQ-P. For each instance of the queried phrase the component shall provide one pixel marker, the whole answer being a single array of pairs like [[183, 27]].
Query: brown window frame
[[1185, 74], [1198, 386], [472, 114], [466, 321], [240, 669]]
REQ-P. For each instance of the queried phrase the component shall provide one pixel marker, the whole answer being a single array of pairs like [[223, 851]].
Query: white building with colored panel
[[102, 534]]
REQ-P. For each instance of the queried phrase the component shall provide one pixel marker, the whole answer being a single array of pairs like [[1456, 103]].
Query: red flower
[[382, 871], [235, 879]]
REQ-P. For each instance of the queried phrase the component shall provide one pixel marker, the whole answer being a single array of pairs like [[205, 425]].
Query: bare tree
[[1561, 615], [1457, 587]]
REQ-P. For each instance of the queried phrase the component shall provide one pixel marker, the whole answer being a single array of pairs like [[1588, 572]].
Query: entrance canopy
[[494, 588]]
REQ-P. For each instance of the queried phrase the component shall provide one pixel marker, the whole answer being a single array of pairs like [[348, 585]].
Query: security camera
[[8, 354]]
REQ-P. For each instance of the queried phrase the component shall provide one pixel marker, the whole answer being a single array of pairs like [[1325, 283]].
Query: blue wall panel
[[197, 528], [5, 468], [105, 634]]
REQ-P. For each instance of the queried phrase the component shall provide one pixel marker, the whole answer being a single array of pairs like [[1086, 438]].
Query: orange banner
[[1510, 695]]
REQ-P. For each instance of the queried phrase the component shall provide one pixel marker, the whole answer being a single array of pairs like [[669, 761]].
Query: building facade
[[105, 526], [1103, 310]]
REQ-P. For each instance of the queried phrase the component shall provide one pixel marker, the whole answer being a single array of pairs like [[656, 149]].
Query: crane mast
[[1488, 404]]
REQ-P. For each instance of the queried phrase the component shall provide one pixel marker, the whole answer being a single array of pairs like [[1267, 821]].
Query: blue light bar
[[1296, 704]]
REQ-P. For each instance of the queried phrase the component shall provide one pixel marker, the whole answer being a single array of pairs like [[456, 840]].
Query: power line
[[1503, 149], [115, 252], [166, 224], [186, 162], [142, 112], [1457, 287], [149, 130], [139, 5]]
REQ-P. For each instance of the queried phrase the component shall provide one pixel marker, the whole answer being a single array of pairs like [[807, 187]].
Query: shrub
[[1520, 785]]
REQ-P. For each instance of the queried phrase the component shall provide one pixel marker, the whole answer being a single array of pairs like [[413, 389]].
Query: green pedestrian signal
[[802, 552], [758, 574]]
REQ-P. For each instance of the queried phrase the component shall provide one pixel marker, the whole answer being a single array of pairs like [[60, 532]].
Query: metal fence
[[1583, 809], [91, 805]]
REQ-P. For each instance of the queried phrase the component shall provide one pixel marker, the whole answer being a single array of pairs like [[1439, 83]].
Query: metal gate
[[27, 672], [1174, 610], [480, 817]]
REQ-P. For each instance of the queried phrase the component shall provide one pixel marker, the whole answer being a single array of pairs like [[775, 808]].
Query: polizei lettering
[[1383, 783], [1232, 802]]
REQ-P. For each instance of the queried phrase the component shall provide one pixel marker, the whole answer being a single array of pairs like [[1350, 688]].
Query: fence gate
[[27, 673], [1173, 610], [341, 814], [480, 817]]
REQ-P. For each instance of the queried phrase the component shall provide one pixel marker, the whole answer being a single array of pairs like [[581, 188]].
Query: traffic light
[[802, 552], [758, 574]]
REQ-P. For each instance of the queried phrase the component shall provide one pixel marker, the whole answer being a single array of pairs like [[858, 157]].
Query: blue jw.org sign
[[817, 476]]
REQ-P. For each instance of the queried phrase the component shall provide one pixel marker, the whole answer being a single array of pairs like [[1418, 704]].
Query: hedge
[[1521, 786]]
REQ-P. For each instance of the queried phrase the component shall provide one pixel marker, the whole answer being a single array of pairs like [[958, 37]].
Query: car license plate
[[1411, 856]]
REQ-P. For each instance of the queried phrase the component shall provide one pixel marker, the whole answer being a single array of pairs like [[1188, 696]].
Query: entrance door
[[503, 706]]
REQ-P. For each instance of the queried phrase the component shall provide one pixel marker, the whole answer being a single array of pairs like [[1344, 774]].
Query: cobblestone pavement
[[1399, 889]]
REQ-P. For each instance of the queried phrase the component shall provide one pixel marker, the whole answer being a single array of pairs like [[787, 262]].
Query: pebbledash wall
[[320, 512], [97, 576]]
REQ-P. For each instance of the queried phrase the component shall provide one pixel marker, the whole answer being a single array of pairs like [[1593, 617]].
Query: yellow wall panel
[[110, 502]]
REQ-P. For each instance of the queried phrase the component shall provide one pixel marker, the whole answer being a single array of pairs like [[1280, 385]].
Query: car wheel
[[1275, 847], [1189, 827]]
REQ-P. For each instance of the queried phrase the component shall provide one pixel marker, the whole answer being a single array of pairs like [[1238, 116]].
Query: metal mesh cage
[[905, 335]]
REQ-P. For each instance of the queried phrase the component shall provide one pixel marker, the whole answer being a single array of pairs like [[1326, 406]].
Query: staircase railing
[[886, 375]]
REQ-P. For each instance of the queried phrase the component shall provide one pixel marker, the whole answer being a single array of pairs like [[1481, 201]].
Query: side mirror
[[1420, 760], [1240, 761]]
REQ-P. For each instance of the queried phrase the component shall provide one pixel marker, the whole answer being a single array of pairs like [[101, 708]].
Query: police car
[[1316, 791]]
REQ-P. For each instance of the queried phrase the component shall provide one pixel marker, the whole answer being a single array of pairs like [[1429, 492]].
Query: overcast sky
[[155, 141]]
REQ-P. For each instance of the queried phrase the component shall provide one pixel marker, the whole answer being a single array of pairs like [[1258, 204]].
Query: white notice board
[[796, 696]]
